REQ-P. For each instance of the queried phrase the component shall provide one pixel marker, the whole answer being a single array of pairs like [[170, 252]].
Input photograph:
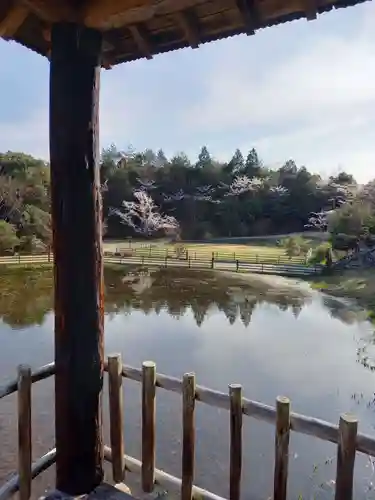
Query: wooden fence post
[[346, 451], [148, 425], [235, 394], [24, 431], [237, 265], [281, 448], [116, 416], [188, 435], [212, 260]]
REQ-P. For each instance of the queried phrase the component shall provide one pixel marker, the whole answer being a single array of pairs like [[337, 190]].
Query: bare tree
[[143, 215]]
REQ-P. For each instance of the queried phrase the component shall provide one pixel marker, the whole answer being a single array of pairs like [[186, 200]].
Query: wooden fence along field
[[161, 258], [345, 434], [256, 255]]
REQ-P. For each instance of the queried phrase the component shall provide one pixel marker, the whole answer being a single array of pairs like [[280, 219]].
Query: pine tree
[[161, 159], [253, 165], [204, 158], [237, 163]]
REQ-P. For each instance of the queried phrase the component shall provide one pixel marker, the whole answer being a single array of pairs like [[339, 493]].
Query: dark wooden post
[[78, 264]]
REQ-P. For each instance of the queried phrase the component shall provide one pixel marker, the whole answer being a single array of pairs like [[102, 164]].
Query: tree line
[[145, 193]]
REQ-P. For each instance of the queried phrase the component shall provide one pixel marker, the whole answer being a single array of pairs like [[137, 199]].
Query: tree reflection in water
[[26, 294]]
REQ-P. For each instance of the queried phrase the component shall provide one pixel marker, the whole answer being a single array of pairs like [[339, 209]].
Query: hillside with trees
[[208, 198]]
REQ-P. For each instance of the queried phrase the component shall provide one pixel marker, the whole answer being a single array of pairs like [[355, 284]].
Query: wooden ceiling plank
[[118, 13], [51, 11], [141, 39], [189, 25], [13, 21]]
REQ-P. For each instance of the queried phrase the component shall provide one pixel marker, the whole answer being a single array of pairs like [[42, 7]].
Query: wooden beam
[[189, 25], [51, 12], [78, 276], [13, 21], [310, 9], [250, 15], [141, 39], [118, 13]]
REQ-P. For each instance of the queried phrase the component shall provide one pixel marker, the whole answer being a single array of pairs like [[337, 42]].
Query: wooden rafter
[[310, 9], [141, 39], [189, 25], [250, 15], [13, 21]]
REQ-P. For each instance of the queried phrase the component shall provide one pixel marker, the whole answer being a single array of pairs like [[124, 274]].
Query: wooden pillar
[[78, 257]]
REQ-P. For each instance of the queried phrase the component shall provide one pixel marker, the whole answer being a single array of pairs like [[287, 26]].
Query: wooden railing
[[345, 434]]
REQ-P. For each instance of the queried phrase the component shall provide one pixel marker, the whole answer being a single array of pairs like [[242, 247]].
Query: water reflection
[[272, 336], [26, 297]]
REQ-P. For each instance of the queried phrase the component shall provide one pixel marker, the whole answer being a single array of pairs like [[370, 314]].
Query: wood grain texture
[[188, 435], [235, 463], [24, 432], [116, 417], [78, 276], [148, 425], [346, 451], [281, 448]]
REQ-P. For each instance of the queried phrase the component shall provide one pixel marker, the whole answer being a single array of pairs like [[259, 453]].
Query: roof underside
[[134, 29]]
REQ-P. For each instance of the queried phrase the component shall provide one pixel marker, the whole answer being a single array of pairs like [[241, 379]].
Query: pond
[[272, 335]]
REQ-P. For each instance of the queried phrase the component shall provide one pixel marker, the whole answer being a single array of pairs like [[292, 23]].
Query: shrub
[[8, 238], [344, 242], [31, 244], [179, 250], [294, 246], [322, 254]]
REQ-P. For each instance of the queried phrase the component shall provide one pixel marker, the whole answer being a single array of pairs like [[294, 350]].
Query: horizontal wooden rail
[[162, 478], [13, 485], [344, 435], [40, 374], [298, 423]]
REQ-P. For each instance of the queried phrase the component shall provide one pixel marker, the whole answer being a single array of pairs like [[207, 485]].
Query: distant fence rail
[[345, 435], [162, 259], [270, 256]]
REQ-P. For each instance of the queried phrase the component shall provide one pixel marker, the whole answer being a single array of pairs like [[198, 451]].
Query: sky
[[302, 91]]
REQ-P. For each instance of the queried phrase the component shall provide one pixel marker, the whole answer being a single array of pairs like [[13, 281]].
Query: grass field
[[261, 253]]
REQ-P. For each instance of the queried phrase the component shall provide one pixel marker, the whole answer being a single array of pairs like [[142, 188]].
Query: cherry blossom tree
[[143, 215], [243, 184]]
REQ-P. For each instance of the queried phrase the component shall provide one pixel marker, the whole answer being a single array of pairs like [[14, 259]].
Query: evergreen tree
[[237, 163], [204, 159], [253, 166]]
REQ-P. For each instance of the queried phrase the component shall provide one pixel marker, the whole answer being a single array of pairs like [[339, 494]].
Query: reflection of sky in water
[[311, 359], [309, 354]]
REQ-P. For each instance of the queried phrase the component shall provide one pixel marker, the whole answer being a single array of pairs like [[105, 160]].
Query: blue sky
[[304, 90]]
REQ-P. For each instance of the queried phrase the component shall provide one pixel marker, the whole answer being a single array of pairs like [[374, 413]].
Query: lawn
[[202, 251]]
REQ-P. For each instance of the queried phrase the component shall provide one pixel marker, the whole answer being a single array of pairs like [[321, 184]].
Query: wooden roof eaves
[[118, 59], [117, 54]]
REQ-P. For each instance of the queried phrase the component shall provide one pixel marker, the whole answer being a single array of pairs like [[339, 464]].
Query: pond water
[[274, 336]]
